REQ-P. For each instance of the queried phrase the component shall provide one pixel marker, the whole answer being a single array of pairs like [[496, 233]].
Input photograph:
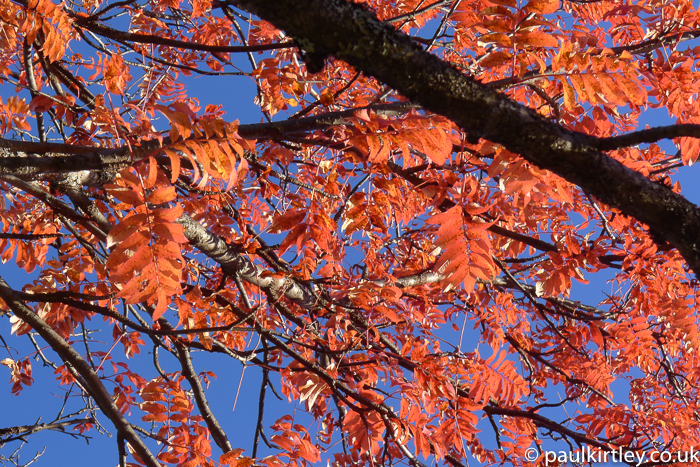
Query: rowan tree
[[390, 241]]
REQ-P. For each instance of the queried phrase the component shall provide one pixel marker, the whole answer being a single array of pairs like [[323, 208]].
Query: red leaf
[[542, 6], [162, 195], [536, 39], [125, 228], [286, 221]]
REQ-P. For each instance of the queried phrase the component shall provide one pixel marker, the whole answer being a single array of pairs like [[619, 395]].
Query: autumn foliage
[[419, 286]]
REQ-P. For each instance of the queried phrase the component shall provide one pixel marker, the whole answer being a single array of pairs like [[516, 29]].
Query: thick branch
[[663, 41], [650, 135], [18, 236], [235, 263], [106, 31], [353, 34], [70, 356], [25, 158]]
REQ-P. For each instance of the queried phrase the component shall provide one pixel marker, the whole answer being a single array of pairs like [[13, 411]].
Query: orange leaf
[[229, 457], [569, 95], [510, 3], [125, 228], [174, 164], [162, 195], [592, 86], [179, 121], [170, 231], [536, 39], [288, 220], [611, 91], [116, 74], [161, 304], [496, 59], [158, 418], [542, 6], [127, 195], [636, 93], [379, 149], [152, 174], [690, 150], [168, 214]]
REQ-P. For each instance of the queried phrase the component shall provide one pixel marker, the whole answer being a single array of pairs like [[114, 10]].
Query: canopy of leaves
[[392, 246]]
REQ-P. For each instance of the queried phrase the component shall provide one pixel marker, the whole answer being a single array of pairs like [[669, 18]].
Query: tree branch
[[115, 34], [650, 135], [25, 158], [93, 383], [234, 262], [29, 429], [200, 398], [351, 33]]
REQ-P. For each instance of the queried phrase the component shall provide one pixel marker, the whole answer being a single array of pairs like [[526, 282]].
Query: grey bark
[[26, 159], [235, 263]]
